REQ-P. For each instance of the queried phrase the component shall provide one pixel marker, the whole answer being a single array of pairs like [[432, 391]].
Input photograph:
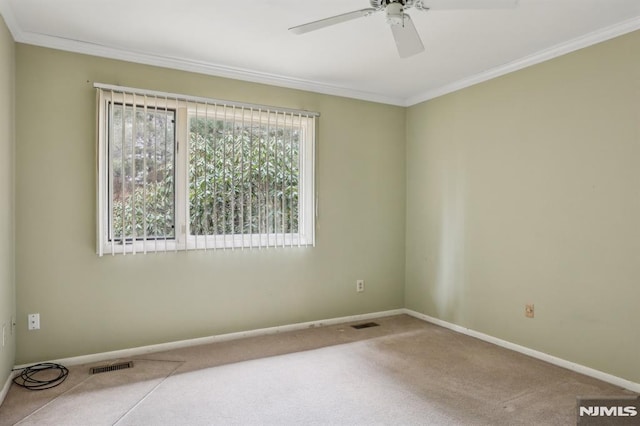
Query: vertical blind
[[178, 172]]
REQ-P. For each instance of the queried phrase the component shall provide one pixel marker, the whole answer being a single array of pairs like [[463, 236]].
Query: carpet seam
[[52, 401], [126, 413]]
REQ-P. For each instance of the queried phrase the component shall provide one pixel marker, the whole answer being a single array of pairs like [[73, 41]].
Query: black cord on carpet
[[27, 379]]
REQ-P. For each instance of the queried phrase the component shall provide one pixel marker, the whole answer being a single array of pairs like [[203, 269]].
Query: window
[[182, 173]]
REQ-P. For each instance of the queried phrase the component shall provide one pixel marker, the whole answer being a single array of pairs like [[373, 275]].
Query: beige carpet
[[404, 372]]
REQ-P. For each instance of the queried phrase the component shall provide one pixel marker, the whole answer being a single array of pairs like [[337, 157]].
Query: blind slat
[[110, 229], [133, 173]]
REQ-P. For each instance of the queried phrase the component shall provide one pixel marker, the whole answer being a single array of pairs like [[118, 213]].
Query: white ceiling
[[248, 39]]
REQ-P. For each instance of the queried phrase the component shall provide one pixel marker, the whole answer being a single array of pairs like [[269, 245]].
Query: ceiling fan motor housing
[[381, 4], [406, 4], [394, 9]]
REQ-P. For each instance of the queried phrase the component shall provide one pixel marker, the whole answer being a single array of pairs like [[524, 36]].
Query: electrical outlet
[[360, 286], [34, 321], [528, 311]]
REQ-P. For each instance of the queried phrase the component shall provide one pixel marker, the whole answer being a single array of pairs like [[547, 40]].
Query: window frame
[[110, 158], [184, 109]]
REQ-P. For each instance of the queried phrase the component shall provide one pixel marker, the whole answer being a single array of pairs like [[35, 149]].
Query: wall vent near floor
[[112, 367], [365, 325]]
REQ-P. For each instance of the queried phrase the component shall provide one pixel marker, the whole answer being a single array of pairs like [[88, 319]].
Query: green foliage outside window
[[243, 178], [142, 178]]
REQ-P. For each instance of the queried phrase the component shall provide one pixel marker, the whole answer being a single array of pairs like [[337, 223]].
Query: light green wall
[[7, 289], [89, 304], [523, 189], [526, 189]]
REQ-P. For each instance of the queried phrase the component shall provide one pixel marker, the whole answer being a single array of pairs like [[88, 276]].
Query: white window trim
[[185, 107]]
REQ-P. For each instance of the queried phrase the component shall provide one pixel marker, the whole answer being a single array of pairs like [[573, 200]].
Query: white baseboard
[[5, 388], [125, 353], [578, 368]]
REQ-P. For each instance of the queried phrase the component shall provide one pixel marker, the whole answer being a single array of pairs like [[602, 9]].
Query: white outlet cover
[[34, 321]]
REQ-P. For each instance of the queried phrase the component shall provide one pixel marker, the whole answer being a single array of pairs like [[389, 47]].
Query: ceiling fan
[[404, 32]]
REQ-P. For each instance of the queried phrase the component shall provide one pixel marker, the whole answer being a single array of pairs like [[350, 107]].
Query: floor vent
[[365, 325], [112, 367]]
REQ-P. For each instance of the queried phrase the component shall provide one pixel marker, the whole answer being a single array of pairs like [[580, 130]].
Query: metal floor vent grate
[[112, 367], [365, 325]]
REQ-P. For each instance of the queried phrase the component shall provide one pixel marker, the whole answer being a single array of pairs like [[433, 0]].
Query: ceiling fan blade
[[407, 38], [466, 4], [316, 25]]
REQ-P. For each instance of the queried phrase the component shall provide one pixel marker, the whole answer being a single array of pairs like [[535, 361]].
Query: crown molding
[[211, 69], [218, 70], [182, 64], [9, 18], [577, 43]]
